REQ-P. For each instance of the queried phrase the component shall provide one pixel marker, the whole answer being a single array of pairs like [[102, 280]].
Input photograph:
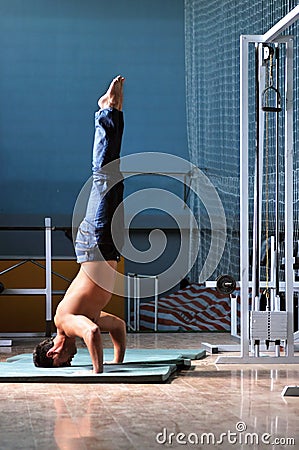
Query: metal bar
[[289, 290], [244, 216], [138, 303], [262, 85], [282, 25], [22, 335], [34, 228], [136, 297], [30, 291], [35, 263], [257, 360], [5, 342], [129, 301], [277, 222], [257, 185], [24, 291], [145, 276], [282, 285], [48, 250], [273, 278], [135, 301], [233, 317], [156, 303], [14, 266], [35, 257], [9, 228], [53, 272]]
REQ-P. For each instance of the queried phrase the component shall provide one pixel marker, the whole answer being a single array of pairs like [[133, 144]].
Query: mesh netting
[[213, 32]]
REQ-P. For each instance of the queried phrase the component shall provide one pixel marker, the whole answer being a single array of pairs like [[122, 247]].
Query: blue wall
[[56, 59]]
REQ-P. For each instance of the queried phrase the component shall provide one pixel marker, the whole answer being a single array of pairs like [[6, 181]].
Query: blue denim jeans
[[100, 234]]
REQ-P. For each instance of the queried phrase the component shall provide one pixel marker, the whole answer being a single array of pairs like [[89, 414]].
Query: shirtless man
[[80, 313]]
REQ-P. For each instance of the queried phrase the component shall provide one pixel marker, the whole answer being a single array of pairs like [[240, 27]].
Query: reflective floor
[[223, 407]]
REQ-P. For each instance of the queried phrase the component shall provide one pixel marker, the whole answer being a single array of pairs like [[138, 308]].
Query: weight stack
[[268, 325]]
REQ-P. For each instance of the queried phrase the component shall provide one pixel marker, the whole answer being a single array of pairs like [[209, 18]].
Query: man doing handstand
[[80, 313]]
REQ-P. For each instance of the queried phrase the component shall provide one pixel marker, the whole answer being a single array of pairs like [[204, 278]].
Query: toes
[[117, 79]]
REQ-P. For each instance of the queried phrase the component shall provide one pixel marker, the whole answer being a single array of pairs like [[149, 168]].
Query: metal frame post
[[48, 289], [156, 303], [128, 302], [136, 299], [289, 290], [244, 175]]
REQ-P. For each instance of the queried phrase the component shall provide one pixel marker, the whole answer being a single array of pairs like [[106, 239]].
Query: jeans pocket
[[86, 238]]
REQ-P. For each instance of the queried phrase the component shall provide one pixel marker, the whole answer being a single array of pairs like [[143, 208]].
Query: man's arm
[[81, 326], [117, 329]]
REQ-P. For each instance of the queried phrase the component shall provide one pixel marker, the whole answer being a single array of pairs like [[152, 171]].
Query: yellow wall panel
[[26, 313]]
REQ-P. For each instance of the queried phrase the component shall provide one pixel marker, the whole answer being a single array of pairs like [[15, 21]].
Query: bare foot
[[114, 95]]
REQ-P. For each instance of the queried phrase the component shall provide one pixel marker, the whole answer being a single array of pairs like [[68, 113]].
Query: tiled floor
[[222, 401]]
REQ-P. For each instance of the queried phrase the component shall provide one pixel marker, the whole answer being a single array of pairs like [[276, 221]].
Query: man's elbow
[[92, 333], [122, 325], [118, 325]]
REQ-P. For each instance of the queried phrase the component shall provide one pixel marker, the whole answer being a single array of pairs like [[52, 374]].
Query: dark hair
[[40, 357]]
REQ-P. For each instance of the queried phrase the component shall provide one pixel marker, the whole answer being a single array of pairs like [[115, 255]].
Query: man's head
[[40, 357], [55, 352]]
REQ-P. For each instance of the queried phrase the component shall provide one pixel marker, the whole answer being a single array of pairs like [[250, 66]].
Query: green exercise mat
[[140, 366], [25, 372], [140, 355]]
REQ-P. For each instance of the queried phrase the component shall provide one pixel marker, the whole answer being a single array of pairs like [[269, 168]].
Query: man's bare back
[[85, 296]]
